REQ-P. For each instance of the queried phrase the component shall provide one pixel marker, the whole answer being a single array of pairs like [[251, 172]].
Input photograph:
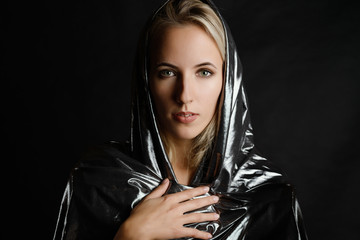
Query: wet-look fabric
[[256, 201]]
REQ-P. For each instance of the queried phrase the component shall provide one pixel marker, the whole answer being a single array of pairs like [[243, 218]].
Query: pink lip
[[185, 117]]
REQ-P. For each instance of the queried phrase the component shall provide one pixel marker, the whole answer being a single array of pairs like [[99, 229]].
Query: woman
[[190, 169]]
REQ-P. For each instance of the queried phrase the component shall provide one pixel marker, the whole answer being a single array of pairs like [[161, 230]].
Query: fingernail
[[216, 216], [206, 189], [215, 198], [166, 180], [209, 235]]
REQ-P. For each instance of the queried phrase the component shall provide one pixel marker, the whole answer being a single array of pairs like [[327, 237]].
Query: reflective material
[[255, 200]]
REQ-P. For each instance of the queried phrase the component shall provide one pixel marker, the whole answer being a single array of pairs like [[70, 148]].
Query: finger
[[160, 190], [200, 217], [194, 233], [190, 193], [198, 203]]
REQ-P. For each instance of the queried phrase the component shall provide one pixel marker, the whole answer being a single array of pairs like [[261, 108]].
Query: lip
[[185, 117]]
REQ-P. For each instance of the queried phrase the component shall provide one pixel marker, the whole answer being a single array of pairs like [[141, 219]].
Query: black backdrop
[[66, 73]]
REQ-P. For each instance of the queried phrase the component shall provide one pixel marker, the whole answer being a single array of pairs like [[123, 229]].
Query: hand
[[162, 217]]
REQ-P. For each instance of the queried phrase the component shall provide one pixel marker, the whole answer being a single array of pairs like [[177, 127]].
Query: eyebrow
[[206, 64], [196, 66], [165, 64]]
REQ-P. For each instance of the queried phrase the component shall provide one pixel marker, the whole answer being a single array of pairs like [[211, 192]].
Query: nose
[[184, 93]]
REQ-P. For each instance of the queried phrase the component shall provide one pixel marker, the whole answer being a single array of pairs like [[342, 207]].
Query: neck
[[181, 148], [180, 161]]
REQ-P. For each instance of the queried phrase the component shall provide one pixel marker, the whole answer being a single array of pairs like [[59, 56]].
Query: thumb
[[160, 190]]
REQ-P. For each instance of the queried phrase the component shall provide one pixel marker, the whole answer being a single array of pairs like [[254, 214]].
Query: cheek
[[210, 94], [161, 96]]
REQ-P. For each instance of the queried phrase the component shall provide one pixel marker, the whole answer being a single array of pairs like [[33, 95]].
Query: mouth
[[185, 117], [185, 114]]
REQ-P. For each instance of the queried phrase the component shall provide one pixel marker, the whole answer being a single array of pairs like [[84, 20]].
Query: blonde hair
[[182, 12]]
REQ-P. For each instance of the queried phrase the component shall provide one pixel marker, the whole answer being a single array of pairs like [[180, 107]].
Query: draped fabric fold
[[256, 201]]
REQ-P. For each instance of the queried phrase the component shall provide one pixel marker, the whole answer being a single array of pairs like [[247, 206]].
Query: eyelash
[[172, 73], [163, 75], [205, 70]]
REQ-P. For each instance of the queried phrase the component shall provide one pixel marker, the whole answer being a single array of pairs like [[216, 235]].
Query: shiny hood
[[234, 143]]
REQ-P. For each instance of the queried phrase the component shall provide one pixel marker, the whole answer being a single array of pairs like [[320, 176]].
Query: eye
[[204, 73], [166, 73]]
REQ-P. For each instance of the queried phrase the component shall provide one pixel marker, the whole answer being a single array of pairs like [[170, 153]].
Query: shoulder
[[106, 155], [112, 155]]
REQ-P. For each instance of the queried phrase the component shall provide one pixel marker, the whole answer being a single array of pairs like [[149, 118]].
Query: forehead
[[185, 43]]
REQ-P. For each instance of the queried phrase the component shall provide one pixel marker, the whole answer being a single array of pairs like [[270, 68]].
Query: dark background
[[66, 70]]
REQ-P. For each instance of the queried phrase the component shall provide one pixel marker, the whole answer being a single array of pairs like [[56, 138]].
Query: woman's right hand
[[162, 217]]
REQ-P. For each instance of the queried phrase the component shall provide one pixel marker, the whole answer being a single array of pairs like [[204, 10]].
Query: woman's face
[[186, 78]]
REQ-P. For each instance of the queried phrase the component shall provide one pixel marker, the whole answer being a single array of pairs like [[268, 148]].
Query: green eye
[[204, 73], [166, 73]]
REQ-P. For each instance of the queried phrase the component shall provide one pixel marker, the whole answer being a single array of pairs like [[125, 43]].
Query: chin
[[187, 134]]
